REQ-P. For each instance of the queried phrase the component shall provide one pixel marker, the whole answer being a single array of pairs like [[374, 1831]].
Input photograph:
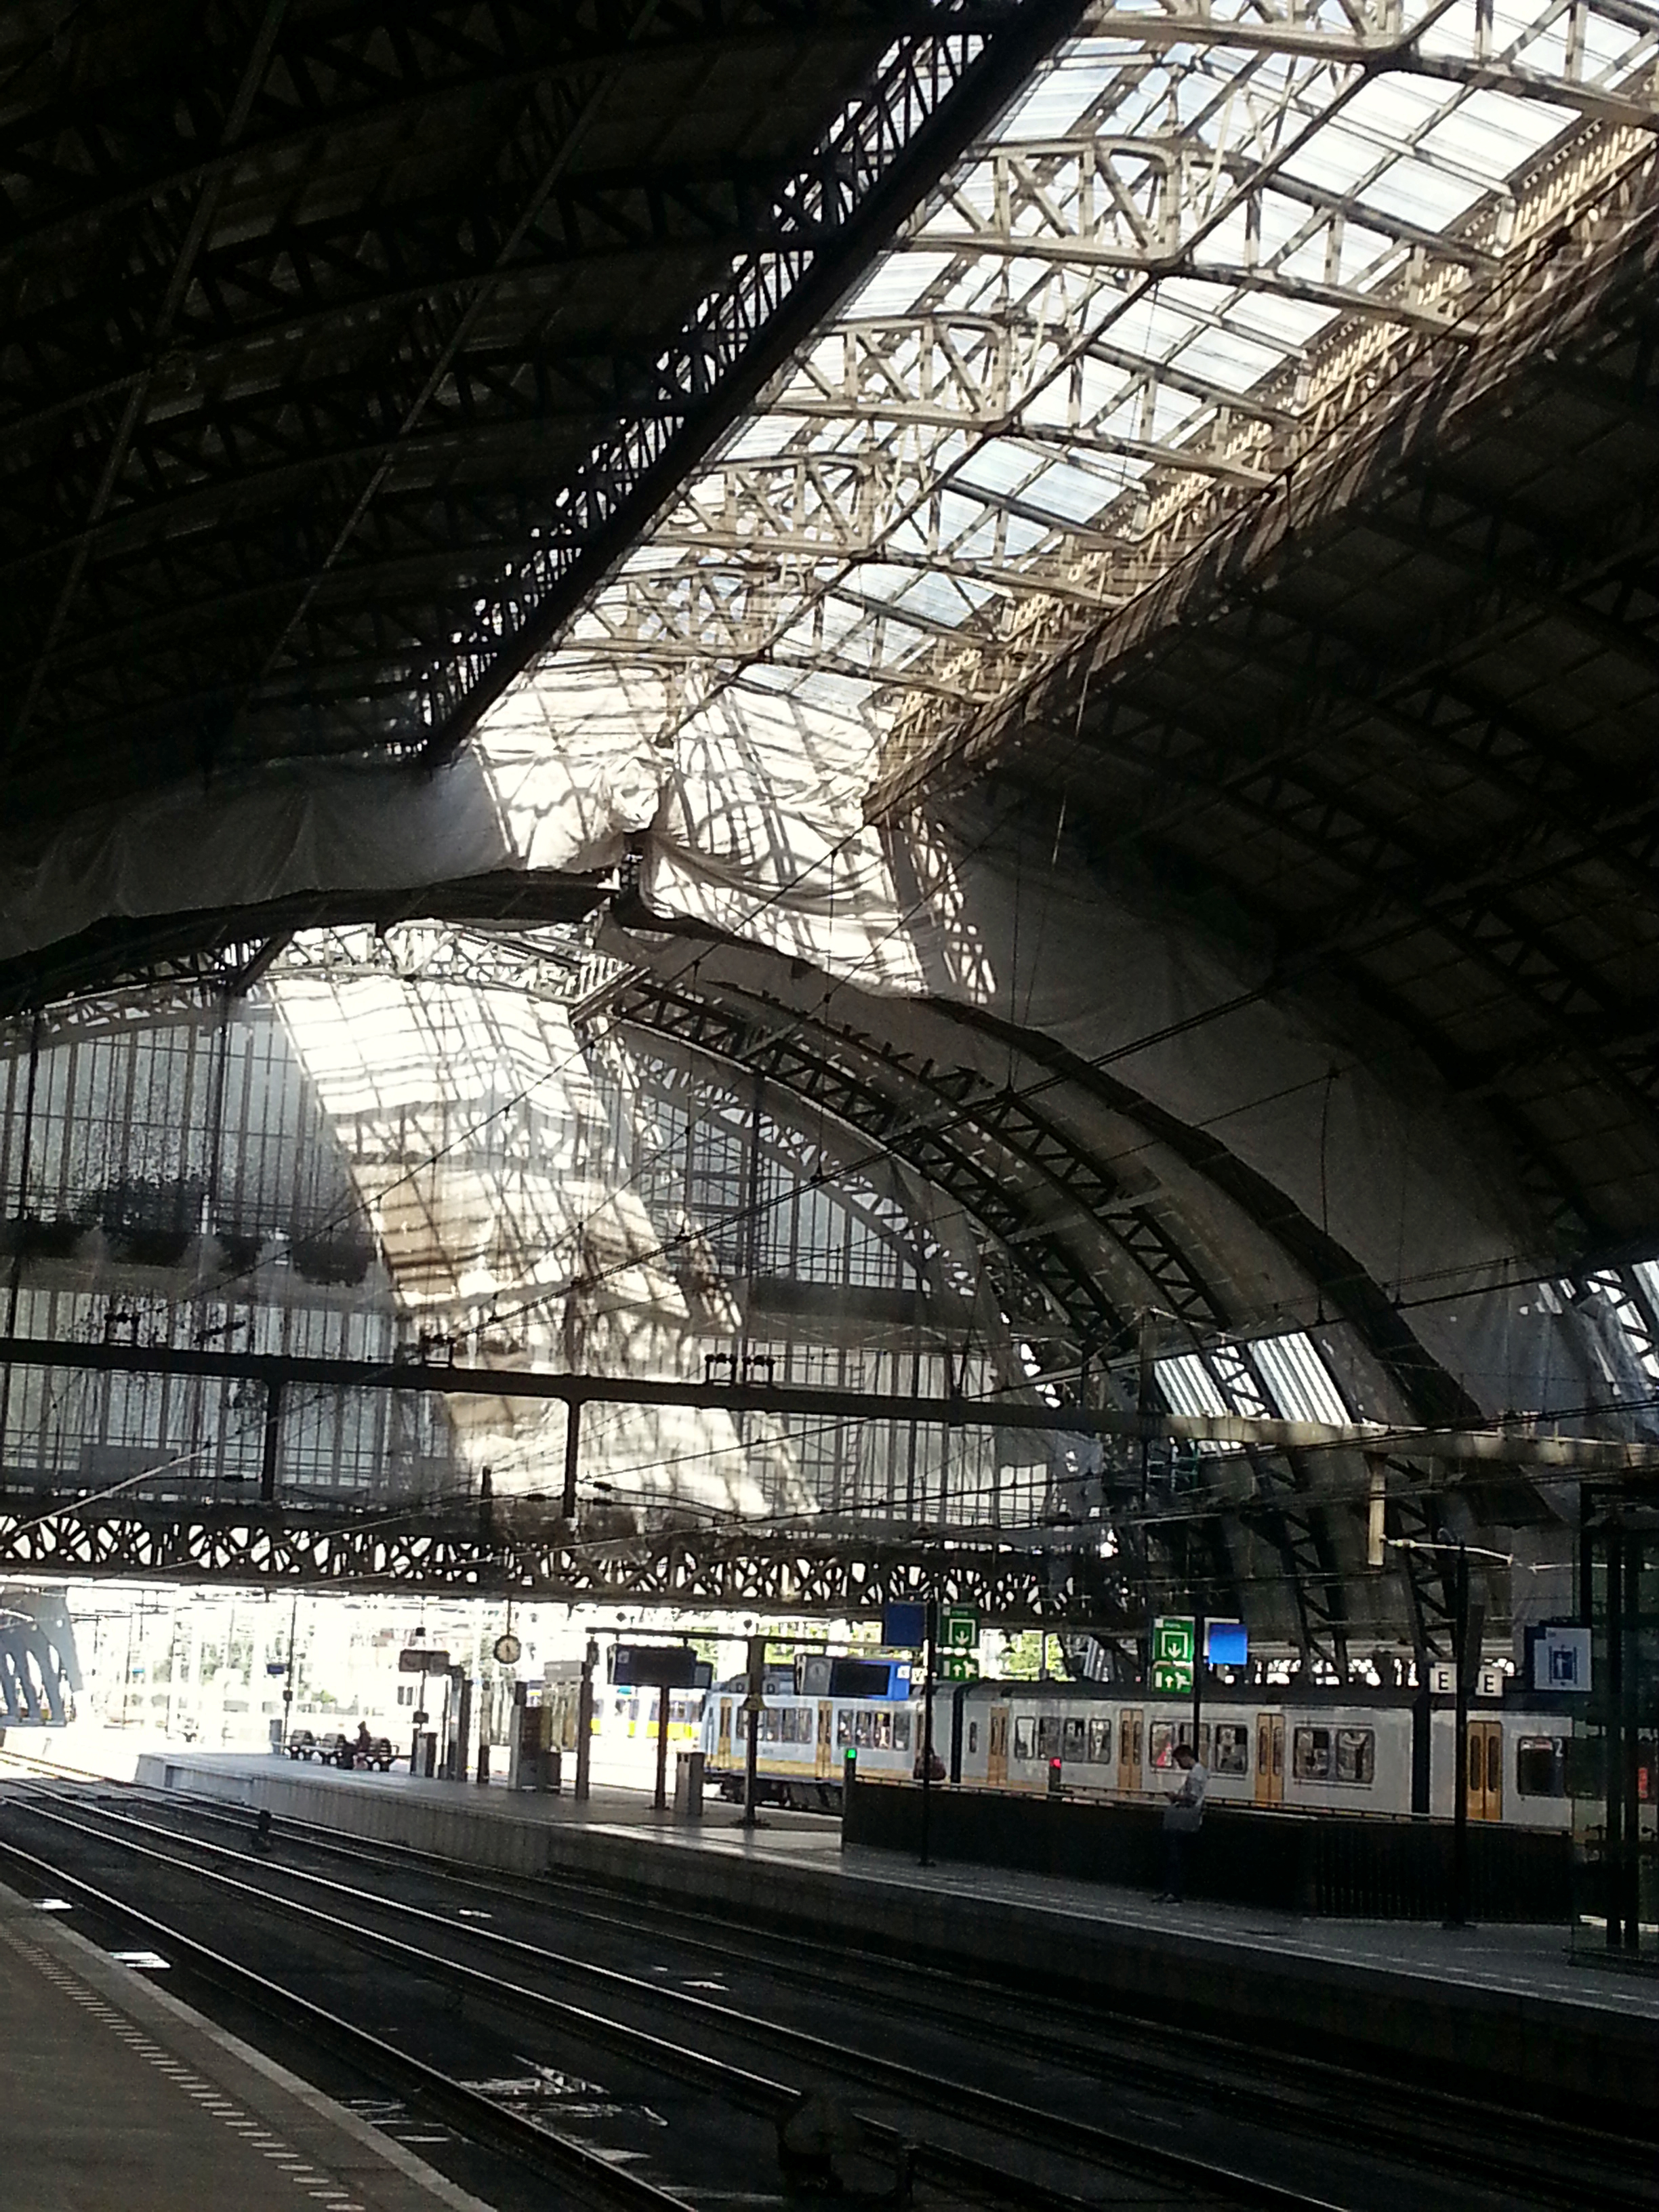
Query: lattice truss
[[1203, 235]]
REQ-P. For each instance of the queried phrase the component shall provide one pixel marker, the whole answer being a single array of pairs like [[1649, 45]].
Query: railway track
[[950, 2133], [1068, 2162], [1536, 2153]]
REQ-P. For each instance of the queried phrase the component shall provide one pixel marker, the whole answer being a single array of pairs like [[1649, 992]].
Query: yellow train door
[[1485, 1770], [723, 1743], [996, 1749], [1129, 1752], [824, 1763], [1270, 1759]]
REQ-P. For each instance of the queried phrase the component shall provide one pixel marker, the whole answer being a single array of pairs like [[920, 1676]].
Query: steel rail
[[474, 2115], [1106, 2146], [1323, 2079], [1320, 2079]]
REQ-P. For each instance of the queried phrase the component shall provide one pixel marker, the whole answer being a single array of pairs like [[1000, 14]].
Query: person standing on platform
[[1183, 1816]]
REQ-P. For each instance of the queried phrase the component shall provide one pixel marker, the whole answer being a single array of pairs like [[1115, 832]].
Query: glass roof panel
[[1114, 317]]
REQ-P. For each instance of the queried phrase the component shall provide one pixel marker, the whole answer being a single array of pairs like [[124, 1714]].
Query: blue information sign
[[904, 1627]]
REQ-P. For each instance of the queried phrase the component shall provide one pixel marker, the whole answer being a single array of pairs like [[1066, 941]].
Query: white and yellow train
[[1332, 1751]]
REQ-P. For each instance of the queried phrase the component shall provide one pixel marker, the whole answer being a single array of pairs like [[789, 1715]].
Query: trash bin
[[426, 1754], [687, 1784]]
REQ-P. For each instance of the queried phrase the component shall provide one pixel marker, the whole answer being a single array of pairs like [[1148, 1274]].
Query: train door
[[1129, 1752], [1270, 1759], [996, 1749], [823, 1763], [1486, 1770], [723, 1743]]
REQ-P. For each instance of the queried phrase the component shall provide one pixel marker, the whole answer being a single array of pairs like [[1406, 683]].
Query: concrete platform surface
[[118, 2098]]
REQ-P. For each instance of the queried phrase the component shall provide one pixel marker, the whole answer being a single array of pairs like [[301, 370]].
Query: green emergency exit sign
[[1174, 1652]]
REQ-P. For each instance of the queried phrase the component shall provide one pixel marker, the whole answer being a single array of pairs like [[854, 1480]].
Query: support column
[[660, 1800], [272, 1443], [1613, 1852], [1457, 1914], [1631, 1777], [15, 1287], [931, 1661], [754, 1706], [585, 1721], [573, 1438]]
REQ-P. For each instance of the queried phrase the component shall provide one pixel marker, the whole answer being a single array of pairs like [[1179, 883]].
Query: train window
[[884, 1731], [1074, 1740], [973, 1737], [1311, 1755], [1184, 1735], [1024, 1737], [863, 1733], [1048, 1735], [1162, 1742], [1356, 1757], [743, 1725], [843, 1729], [769, 1730], [1232, 1748], [901, 1731], [1540, 1766], [1100, 1742]]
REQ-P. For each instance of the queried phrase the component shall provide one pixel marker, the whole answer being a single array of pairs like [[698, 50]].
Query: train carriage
[[804, 1742], [1319, 1751], [1326, 1752]]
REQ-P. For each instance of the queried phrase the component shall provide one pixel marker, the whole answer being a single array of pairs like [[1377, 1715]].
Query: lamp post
[[1457, 1914], [1466, 1661], [287, 1679], [754, 1706]]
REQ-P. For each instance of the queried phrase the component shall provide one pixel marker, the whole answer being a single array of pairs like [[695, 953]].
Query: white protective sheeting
[[1353, 1128], [529, 794], [479, 1140]]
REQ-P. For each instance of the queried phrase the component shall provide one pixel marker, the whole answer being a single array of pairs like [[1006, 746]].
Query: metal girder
[[1177, 193], [200, 951], [1428, 1392], [933, 94], [1546, 281], [1288, 796], [1296, 1523], [1412, 1523], [1517, 1446], [504, 1552], [219, 376], [959, 1131]]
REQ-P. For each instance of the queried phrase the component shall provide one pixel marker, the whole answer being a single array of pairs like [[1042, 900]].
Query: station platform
[[120, 2098], [1505, 2003]]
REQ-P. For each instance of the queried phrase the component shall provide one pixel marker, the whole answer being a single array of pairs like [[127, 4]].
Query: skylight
[[1117, 320]]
